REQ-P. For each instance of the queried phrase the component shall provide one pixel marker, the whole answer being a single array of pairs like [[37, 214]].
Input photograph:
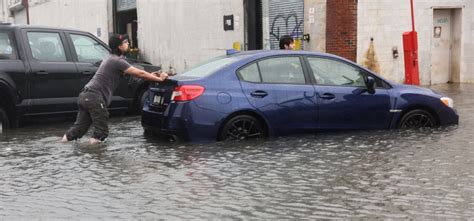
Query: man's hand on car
[[161, 74]]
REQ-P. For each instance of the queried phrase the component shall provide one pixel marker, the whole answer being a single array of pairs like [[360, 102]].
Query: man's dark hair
[[285, 40], [115, 41]]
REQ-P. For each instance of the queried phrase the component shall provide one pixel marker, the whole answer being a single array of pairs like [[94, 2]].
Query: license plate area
[[158, 99]]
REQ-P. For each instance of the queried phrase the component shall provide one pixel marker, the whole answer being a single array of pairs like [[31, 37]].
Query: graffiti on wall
[[288, 24]]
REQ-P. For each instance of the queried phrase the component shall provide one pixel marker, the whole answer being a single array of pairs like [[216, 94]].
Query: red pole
[[412, 16], [410, 48], [416, 73]]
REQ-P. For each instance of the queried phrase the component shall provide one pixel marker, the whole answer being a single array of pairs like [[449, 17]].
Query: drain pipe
[[27, 8]]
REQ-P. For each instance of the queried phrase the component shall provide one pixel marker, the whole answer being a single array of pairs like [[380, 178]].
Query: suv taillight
[[187, 92]]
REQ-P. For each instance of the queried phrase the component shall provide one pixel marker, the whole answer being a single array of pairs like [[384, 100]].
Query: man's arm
[[146, 75]]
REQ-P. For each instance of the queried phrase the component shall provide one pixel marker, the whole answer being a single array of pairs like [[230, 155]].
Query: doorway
[[446, 46], [286, 17], [253, 20], [125, 20]]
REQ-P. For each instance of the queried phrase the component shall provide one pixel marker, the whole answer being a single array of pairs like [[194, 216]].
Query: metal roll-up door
[[285, 18]]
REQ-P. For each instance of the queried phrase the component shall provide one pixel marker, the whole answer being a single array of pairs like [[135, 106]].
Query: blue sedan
[[256, 94]]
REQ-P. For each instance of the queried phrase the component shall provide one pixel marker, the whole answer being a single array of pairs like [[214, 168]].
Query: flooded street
[[386, 174]]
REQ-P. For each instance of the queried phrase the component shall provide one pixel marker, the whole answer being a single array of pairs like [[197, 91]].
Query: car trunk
[[160, 95]]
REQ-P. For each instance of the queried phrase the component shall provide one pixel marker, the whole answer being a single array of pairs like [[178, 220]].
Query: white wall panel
[[86, 15], [185, 32]]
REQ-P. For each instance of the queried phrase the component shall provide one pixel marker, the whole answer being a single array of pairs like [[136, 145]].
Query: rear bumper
[[183, 120], [158, 124]]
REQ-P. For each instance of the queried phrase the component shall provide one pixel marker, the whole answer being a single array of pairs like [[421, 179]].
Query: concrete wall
[[467, 51], [19, 17], [315, 25], [87, 15], [183, 33], [386, 21], [3, 11], [6, 15], [265, 25]]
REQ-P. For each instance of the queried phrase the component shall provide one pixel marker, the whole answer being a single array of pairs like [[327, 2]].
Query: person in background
[[97, 93], [287, 42]]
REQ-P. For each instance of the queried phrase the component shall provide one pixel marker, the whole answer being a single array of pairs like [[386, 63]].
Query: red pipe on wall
[[412, 16], [410, 48]]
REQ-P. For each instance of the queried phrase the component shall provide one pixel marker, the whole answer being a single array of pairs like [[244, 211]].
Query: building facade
[[181, 33], [443, 57]]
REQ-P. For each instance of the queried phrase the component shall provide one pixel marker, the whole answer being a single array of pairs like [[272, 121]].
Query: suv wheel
[[140, 100]]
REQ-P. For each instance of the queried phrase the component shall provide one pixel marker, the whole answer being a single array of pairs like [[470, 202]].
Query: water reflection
[[418, 174]]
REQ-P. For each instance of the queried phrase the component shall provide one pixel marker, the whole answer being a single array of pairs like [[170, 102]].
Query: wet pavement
[[387, 174]]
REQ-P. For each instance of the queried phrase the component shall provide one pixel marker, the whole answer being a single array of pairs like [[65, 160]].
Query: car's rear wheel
[[242, 127], [4, 120], [417, 119]]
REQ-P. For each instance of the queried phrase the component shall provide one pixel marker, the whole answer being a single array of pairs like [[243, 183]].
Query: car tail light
[[187, 92]]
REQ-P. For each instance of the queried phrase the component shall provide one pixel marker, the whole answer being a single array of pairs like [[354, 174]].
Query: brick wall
[[341, 28]]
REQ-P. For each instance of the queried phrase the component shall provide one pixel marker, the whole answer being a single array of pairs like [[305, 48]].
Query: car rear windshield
[[208, 67]]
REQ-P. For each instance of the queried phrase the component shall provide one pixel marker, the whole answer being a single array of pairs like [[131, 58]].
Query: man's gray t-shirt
[[107, 77]]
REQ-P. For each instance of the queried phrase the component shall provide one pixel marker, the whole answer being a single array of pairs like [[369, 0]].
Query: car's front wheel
[[417, 119], [242, 127]]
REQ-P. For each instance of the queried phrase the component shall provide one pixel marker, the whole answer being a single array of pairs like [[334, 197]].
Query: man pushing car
[[97, 93]]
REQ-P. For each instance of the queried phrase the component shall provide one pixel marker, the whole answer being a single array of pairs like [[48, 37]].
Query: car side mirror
[[370, 83]]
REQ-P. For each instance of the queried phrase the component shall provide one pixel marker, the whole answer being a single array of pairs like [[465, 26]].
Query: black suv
[[43, 69]]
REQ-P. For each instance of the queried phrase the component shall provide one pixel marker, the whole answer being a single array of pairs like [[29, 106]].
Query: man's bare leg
[[64, 140], [94, 141]]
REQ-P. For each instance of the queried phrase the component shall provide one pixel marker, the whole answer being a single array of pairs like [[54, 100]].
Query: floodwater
[[387, 174]]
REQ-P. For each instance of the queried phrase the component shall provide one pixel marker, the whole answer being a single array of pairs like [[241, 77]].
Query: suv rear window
[[7, 50], [208, 67], [46, 46]]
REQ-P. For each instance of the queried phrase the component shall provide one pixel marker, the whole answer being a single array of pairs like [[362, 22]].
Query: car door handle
[[259, 94], [87, 73], [42, 73], [327, 96]]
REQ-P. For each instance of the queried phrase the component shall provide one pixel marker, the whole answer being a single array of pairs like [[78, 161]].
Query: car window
[[208, 67], [88, 49], [7, 50], [46, 46], [332, 72], [250, 73], [282, 70]]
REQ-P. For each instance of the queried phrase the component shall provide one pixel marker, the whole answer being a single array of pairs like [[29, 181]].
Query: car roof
[[266, 53], [257, 54], [22, 26]]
